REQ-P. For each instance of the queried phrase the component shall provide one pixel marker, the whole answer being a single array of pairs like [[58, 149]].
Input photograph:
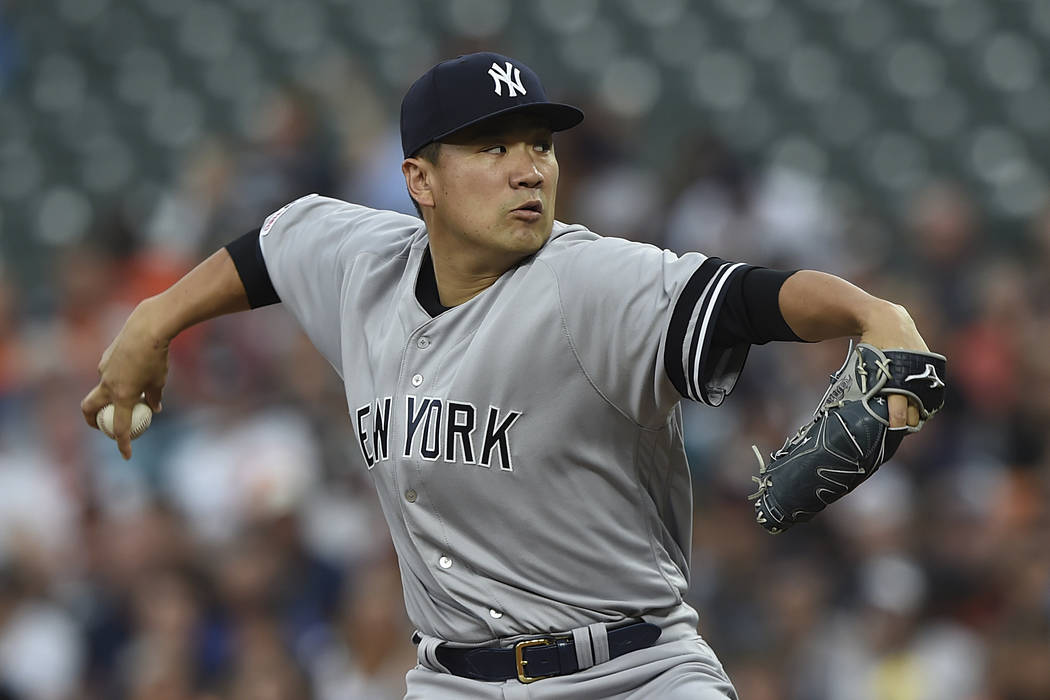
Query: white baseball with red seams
[[141, 416]]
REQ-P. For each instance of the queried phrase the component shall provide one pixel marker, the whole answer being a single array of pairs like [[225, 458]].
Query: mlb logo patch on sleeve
[[272, 218]]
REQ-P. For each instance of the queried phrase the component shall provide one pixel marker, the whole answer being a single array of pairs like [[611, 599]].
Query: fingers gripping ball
[[849, 435], [141, 416]]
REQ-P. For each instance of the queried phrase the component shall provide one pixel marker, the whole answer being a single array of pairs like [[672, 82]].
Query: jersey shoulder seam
[[579, 360], [404, 253]]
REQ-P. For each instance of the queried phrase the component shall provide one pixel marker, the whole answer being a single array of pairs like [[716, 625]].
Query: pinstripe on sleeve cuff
[[699, 371]]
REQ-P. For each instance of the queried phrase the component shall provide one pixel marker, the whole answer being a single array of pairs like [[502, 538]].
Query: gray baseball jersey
[[526, 445]]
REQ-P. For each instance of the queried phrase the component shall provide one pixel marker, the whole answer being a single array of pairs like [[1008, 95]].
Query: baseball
[[141, 416]]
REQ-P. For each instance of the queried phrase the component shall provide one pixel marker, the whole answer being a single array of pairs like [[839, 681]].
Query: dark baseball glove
[[849, 436]]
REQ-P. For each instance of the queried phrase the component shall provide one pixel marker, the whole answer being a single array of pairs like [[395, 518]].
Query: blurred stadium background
[[240, 554]]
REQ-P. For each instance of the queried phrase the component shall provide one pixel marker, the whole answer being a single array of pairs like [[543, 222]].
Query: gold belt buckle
[[522, 663]]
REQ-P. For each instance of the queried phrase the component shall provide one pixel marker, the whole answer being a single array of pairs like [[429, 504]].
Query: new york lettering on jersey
[[438, 429]]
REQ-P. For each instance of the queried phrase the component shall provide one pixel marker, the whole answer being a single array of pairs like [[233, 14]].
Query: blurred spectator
[[883, 652], [797, 224], [728, 555], [709, 194], [122, 557], [162, 659], [41, 651], [881, 519], [946, 245], [291, 156], [38, 514], [379, 182], [263, 668], [83, 291], [224, 190], [230, 470], [372, 652], [607, 188], [196, 210], [987, 350]]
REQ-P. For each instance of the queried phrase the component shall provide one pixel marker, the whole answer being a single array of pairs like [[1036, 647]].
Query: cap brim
[[558, 117]]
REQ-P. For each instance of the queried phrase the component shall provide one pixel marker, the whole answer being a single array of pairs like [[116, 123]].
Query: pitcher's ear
[[418, 178]]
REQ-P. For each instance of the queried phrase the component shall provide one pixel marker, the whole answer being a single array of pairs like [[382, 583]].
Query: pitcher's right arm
[[136, 362]]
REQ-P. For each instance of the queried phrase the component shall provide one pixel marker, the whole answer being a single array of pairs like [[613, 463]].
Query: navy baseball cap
[[465, 90]]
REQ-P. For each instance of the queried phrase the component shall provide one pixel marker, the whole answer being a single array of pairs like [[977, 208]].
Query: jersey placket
[[423, 402]]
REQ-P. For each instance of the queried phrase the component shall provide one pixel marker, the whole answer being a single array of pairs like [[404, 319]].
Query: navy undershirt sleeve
[[751, 310], [247, 256]]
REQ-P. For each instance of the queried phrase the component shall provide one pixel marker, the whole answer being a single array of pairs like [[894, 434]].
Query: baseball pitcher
[[513, 384]]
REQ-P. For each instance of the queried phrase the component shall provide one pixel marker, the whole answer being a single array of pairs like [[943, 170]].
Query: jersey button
[[423, 343], [495, 614], [445, 562], [410, 496], [417, 379]]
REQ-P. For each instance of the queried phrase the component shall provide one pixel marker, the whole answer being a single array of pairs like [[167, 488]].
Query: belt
[[539, 657]]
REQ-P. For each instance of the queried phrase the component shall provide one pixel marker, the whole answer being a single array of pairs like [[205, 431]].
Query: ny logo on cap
[[501, 76]]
